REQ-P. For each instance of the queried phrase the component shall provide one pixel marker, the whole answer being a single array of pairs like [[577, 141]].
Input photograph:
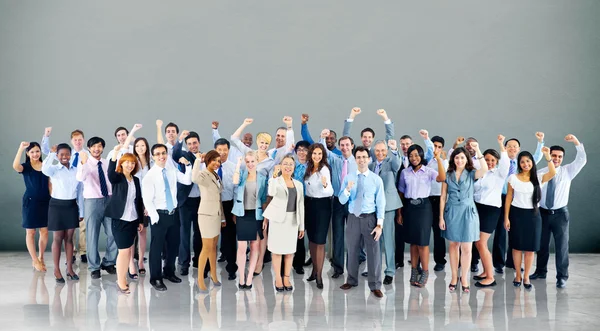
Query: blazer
[[183, 191], [388, 172], [261, 194], [211, 188], [277, 208], [116, 204]]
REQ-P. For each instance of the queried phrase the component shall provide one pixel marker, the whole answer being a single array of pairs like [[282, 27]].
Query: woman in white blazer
[[285, 217]]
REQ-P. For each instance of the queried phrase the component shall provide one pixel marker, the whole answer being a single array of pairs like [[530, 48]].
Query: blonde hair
[[264, 136], [251, 153]]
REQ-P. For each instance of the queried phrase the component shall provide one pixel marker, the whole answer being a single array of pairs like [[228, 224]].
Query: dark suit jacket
[[116, 205], [182, 190]]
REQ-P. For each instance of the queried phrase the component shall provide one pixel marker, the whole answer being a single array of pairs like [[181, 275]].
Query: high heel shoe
[[123, 290], [452, 287], [311, 278], [466, 289], [60, 280], [516, 284], [72, 277], [287, 288], [279, 289], [320, 284], [527, 286], [215, 282], [242, 286], [132, 276]]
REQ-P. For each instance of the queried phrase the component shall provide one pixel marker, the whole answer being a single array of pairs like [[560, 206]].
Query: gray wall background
[[468, 68]]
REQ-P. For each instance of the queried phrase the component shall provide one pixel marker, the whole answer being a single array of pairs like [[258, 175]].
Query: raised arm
[[304, 130], [348, 122], [177, 149], [82, 168], [441, 172], [393, 155], [428, 145], [159, 135], [215, 131], [537, 157], [185, 178], [551, 169], [235, 137], [331, 157], [575, 167], [17, 161], [236, 173], [345, 192], [504, 162], [45, 144], [483, 168], [130, 138], [389, 125], [47, 168]]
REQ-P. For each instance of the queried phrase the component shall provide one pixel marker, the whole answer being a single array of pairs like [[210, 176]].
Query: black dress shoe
[[172, 279], [184, 271], [256, 274], [242, 287], [561, 283], [388, 280], [479, 284], [320, 284], [231, 276], [499, 271], [439, 267], [365, 274], [158, 285], [474, 268], [311, 278], [477, 277], [95, 274], [308, 262], [84, 258], [527, 286], [399, 265], [516, 284], [537, 276], [299, 271], [110, 269], [336, 274], [74, 259], [221, 258]]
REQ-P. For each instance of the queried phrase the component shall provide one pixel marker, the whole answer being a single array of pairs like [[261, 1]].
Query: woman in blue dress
[[35, 200], [459, 220]]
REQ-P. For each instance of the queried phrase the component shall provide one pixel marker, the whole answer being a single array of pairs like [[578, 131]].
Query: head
[[192, 142], [247, 139], [468, 147], [438, 144], [525, 164], [416, 156], [380, 150], [251, 160], [212, 159], [33, 152], [141, 147], [63, 153], [346, 146], [121, 134], [280, 137], [366, 136], [362, 156], [77, 139], [171, 131], [405, 143], [96, 147], [317, 159], [513, 147], [491, 157], [263, 140], [288, 165], [301, 150], [460, 160], [331, 140], [222, 147], [128, 165], [159, 154], [557, 153]]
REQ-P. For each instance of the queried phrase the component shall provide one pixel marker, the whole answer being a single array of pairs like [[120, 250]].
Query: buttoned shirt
[[416, 184], [88, 174], [234, 152], [228, 168], [373, 200], [436, 188], [153, 188], [313, 185], [562, 180], [488, 189], [64, 181], [337, 163]]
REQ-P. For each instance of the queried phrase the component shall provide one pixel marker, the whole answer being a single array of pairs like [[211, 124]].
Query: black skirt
[[488, 217], [34, 212], [247, 226], [418, 219], [525, 229], [62, 215], [317, 216], [124, 232]]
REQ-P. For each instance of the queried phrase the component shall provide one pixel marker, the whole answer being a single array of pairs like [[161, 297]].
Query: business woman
[[250, 195], [210, 213], [126, 209], [284, 216], [141, 150], [521, 213], [317, 182], [35, 200]]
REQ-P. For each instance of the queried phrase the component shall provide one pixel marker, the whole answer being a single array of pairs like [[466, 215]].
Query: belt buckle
[[172, 212], [416, 202], [551, 211]]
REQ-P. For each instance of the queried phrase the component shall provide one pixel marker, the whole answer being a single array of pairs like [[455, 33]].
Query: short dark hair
[[438, 139], [119, 129], [210, 156], [222, 141], [362, 149], [420, 151], [492, 152], [62, 146], [172, 125], [301, 143], [406, 137], [515, 139], [346, 137], [192, 134], [557, 148], [94, 140], [334, 133], [156, 146], [367, 130]]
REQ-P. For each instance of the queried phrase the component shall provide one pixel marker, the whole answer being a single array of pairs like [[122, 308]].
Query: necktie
[[513, 167], [274, 153], [378, 168], [76, 159], [344, 172], [168, 191], [550, 193], [405, 161], [220, 172], [359, 196], [102, 179]]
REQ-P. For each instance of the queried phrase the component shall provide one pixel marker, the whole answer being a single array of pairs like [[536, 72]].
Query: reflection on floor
[[32, 300]]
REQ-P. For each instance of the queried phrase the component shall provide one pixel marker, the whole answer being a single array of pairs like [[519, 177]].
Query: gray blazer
[[388, 173], [277, 208]]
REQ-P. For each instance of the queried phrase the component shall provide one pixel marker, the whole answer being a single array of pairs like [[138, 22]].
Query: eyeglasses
[[287, 164], [362, 157], [160, 154], [302, 150]]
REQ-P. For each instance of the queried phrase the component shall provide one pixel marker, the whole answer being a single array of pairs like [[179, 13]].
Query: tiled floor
[[32, 301]]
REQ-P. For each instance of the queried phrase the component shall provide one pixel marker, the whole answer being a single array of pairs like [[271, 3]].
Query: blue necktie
[[274, 153], [76, 159], [550, 193], [168, 195], [220, 172], [359, 195], [513, 167], [378, 168], [102, 179]]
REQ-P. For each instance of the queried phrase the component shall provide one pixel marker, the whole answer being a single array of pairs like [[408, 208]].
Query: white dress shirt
[[234, 152], [522, 192], [153, 188], [228, 168], [562, 179], [436, 188], [313, 187], [64, 181], [488, 189], [130, 214]]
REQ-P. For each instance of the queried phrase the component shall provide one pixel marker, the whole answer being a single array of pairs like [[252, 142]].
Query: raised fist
[[539, 136], [324, 180], [546, 150], [460, 140], [47, 131], [325, 133], [84, 158], [276, 171], [215, 125], [350, 185], [248, 121], [474, 145], [24, 144], [118, 148], [381, 112], [159, 123], [287, 120], [501, 139], [53, 149], [570, 138], [304, 118], [392, 144], [200, 156], [355, 111], [183, 160], [184, 134], [136, 127], [424, 133]]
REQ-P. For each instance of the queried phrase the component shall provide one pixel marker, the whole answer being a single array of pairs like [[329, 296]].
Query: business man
[[330, 141], [367, 134], [439, 243]]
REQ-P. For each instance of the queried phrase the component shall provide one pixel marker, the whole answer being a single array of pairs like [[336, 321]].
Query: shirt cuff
[[395, 152], [380, 222], [349, 120], [388, 121], [222, 221]]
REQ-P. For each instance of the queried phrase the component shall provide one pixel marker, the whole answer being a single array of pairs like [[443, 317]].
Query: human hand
[[184, 161], [392, 144], [304, 118], [248, 121], [117, 148], [215, 125], [501, 139], [300, 234], [23, 145], [572, 139], [53, 149], [84, 158], [399, 219], [459, 140], [376, 233], [546, 152], [507, 224], [324, 181], [325, 133], [47, 131], [288, 121], [184, 135], [424, 134], [350, 185], [383, 114], [442, 224], [159, 123], [136, 127], [540, 136], [355, 111]]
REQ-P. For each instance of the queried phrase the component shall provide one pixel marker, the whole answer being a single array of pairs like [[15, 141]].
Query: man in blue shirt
[[330, 140], [301, 151], [364, 192]]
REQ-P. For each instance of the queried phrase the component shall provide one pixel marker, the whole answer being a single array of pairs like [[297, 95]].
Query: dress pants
[[82, 240], [499, 250], [556, 224], [387, 243], [360, 228], [399, 237], [338, 223], [439, 243], [166, 230], [94, 218], [188, 219], [229, 238]]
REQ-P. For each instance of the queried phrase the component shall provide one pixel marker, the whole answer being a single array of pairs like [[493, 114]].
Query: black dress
[[35, 199]]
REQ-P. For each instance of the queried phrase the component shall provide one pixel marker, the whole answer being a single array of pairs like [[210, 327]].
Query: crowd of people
[[367, 200]]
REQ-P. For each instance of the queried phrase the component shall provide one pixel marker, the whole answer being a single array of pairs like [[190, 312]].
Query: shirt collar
[[366, 173]]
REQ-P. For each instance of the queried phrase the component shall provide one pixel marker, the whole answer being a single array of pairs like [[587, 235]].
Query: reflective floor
[[32, 301]]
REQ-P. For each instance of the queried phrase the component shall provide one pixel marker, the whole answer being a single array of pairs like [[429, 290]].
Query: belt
[[555, 211], [416, 202], [365, 215], [166, 212]]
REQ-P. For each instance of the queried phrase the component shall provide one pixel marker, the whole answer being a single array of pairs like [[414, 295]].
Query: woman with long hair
[[141, 150], [459, 221], [522, 215], [35, 200], [317, 206]]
